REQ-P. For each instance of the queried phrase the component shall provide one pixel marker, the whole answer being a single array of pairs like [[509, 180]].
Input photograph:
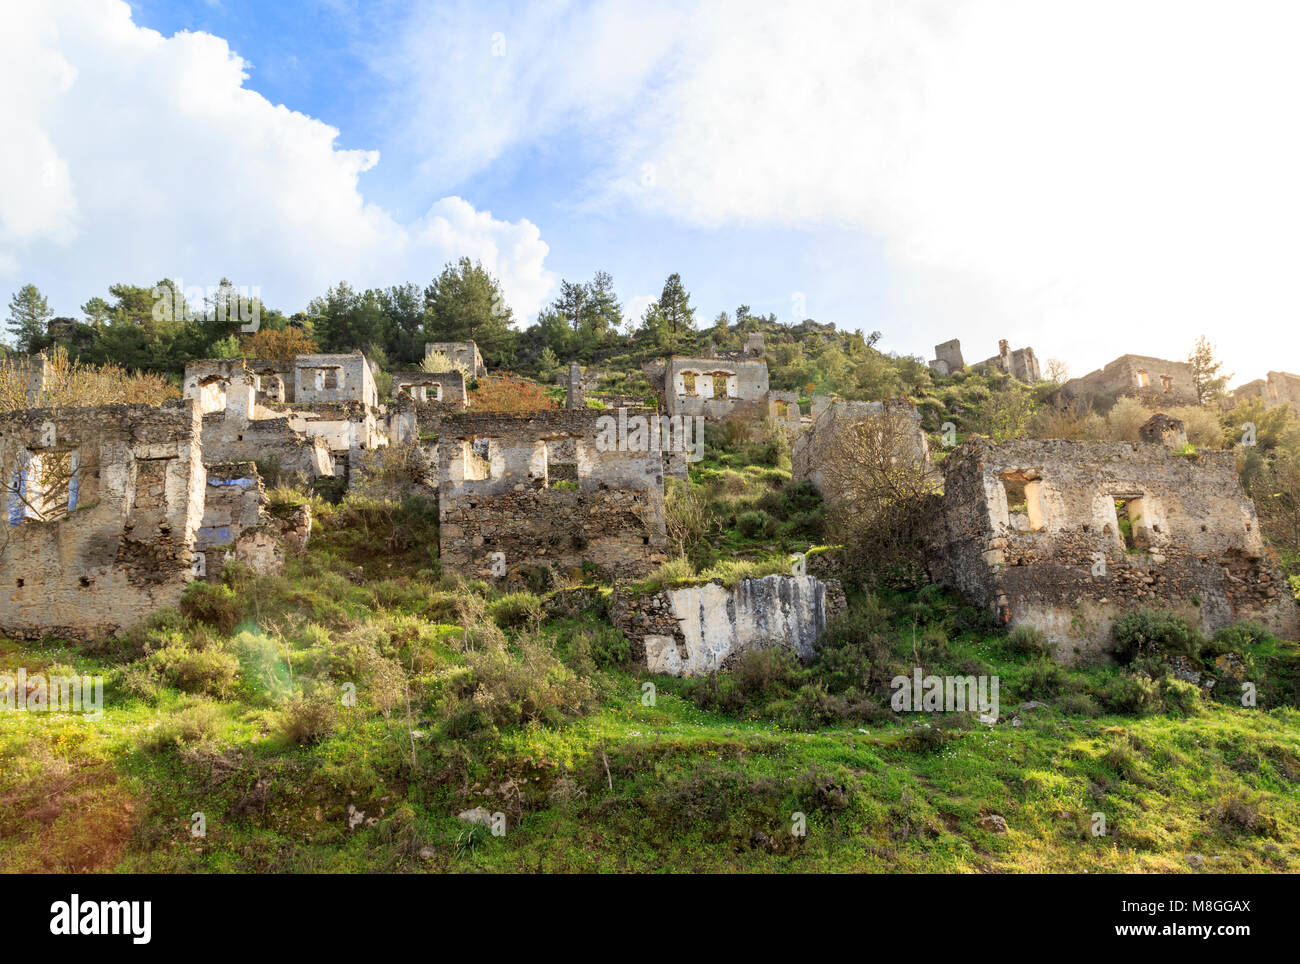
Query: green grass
[[467, 697]]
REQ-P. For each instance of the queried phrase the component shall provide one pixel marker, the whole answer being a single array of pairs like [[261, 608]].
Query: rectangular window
[[1023, 493], [719, 386], [1142, 379], [688, 383], [1167, 383]]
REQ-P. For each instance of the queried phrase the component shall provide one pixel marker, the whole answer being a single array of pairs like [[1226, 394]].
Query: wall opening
[[1143, 379], [1023, 493], [1127, 515], [719, 386], [1166, 383], [688, 383]]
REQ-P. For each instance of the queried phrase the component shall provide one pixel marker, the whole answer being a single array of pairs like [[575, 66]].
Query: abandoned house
[[1140, 376], [465, 353], [715, 387], [525, 491], [237, 525], [1279, 388], [305, 419], [1065, 536], [444, 389], [812, 448], [103, 509]]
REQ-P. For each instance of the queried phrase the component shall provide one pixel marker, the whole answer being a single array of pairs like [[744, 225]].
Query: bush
[[755, 523], [215, 605], [516, 610], [1154, 633], [1029, 641], [208, 671], [502, 689], [194, 724], [1131, 693], [306, 720], [1240, 637], [1179, 696]]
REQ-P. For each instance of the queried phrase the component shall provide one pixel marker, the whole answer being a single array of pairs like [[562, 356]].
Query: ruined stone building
[[238, 526], [304, 418], [519, 491], [825, 434], [1279, 388], [464, 352], [1021, 363], [103, 508], [1154, 380], [1066, 536]]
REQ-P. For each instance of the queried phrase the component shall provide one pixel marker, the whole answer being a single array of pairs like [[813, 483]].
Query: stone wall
[[1280, 388], [446, 389], [701, 629], [465, 352], [714, 387], [104, 505], [334, 378], [812, 448], [502, 512], [238, 527], [1141, 376], [1066, 536]]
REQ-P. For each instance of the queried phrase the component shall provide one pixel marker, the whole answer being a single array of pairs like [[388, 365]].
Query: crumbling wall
[[812, 447], [715, 387], [1065, 536], [701, 629], [443, 389], [465, 352], [233, 435], [501, 512], [334, 378], [1280, 388], [104, 505], [1155, 380], [1021, 363], [237, 525]]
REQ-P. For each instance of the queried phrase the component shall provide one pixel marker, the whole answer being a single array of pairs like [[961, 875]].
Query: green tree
[[29, 318], [465, 303], [675, 306], [1205, 371]]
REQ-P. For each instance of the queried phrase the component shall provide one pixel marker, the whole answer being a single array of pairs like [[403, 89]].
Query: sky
[[1087, 178]]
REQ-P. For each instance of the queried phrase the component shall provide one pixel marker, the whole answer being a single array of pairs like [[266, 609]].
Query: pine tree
[[1205, 371], [29, 316]]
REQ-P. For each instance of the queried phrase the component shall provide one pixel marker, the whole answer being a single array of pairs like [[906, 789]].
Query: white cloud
[[127, 156], [1090, 178]]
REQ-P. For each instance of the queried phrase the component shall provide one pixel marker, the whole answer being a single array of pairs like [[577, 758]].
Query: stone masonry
[[501, 512], [1065, 536], [104, 505]]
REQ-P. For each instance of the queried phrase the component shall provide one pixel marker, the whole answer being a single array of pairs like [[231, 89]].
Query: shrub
[[1028, 640], [1130, 693], [1240, 637], [1151, 632], [208, 671], [306, 720], [1179, 696], [754, 523], [194, 724], [216, 605], [515, 610], [502, 689], [1238, 813]]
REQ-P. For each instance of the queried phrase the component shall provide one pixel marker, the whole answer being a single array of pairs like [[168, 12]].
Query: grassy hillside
[[239, 707]]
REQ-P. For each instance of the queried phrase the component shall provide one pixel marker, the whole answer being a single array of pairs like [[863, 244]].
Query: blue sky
[[1089, 179]]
